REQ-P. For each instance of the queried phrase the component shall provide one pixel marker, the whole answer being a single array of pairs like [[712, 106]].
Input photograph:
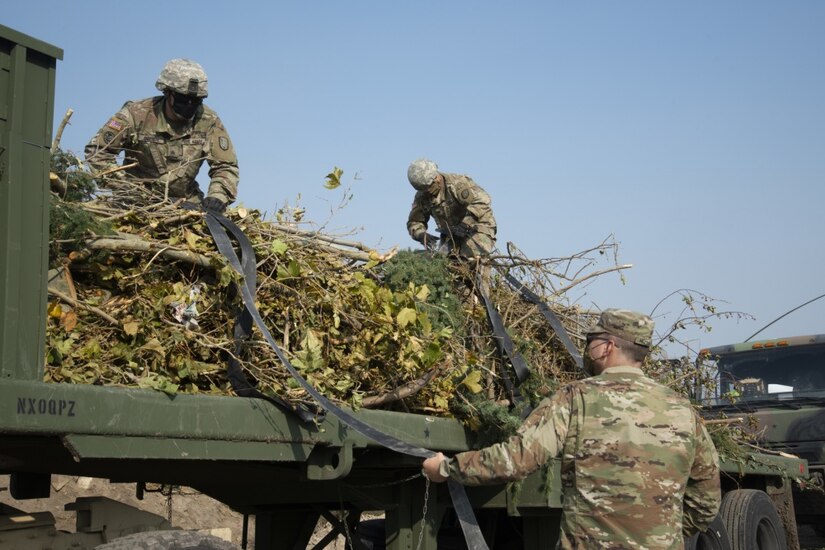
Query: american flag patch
[[116, 124]]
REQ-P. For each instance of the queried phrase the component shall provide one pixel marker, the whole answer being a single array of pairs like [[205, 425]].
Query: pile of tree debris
[[139, 296]]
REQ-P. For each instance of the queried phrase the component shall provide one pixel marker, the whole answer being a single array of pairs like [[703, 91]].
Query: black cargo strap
[[551, 317], [216, 224], [503, 340], [243, 331]]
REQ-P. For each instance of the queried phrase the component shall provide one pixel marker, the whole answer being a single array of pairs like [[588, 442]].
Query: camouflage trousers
[[474, 246]]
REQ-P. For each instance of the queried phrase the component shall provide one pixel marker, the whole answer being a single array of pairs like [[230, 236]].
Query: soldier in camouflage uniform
[[461, 210], [638, 469], [169, 137]]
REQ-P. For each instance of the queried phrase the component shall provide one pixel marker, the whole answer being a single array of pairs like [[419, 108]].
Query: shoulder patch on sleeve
[[115, 124], [465, 194], [223, 143]]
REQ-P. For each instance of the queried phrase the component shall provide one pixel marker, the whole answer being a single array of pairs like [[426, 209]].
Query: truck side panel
[[27, 78]]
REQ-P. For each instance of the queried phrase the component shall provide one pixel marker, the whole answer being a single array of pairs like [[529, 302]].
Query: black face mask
[[185, 106]]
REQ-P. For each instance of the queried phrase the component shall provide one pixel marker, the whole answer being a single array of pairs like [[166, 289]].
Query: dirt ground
[[189, 509]]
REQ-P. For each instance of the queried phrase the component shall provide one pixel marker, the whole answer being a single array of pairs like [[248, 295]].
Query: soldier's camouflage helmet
[[628, 325], [184, 77], [421, 173]]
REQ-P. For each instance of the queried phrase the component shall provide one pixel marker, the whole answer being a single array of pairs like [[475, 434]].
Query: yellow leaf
[[55, 311], [472, 381], [191, 239], [131, 328], [423, 293], [334, 178], [406, 316]]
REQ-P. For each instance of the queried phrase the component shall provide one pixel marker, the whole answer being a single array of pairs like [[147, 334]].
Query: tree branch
[[76, 303]]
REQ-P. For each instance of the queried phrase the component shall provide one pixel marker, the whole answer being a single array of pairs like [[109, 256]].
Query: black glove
[[212, 204], [430, 241], [461, 231]]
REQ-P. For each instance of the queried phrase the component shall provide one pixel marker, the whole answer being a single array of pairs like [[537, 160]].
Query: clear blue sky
[[692, 131]]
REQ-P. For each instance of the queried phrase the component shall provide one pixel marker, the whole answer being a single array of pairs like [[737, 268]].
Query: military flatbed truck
[[779, 386], [247, 453]]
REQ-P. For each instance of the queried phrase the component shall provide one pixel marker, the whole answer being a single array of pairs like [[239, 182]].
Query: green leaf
[[426, 325], [91, 349], [278, 247], [310, 357], [431, 355], [157, 382], [343, 385], [226, 275], [334, 178]]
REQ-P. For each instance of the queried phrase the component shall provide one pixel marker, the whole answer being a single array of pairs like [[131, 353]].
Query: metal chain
[[344, 513], [424, 513], [347, 534], [386, 484]]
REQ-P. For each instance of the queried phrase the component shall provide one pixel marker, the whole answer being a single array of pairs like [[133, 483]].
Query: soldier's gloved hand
[[212, 204], [430, 241], [461, 231]]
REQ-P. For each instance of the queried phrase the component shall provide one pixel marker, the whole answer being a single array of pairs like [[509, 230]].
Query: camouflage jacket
[[638, 469], [460, 201], [165, 153]]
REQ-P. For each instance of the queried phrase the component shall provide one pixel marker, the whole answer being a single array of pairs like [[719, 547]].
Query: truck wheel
[[752, 522], [168, 540], [714, 538]]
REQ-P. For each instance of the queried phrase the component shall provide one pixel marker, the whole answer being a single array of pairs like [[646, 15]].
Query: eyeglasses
[[596, 339], [187, 99]]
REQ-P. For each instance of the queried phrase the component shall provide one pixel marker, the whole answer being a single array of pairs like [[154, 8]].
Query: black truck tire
[[714, 538], [752, 521], [167, 540]]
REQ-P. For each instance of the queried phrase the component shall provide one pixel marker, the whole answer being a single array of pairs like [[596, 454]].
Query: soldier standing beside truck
[[168, 138], [638, 467], [460, 207]]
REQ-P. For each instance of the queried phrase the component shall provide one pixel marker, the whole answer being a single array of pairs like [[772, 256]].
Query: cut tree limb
[[135, 244], [399, 393], [77, 303]]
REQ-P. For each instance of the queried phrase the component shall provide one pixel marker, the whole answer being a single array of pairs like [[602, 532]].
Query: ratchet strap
[[218, 224], [504, 342], [548, 314], [242, 331]]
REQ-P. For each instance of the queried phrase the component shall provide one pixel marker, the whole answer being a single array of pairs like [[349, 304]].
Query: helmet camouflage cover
[[184, 77], [628, 325], [421, 173]]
